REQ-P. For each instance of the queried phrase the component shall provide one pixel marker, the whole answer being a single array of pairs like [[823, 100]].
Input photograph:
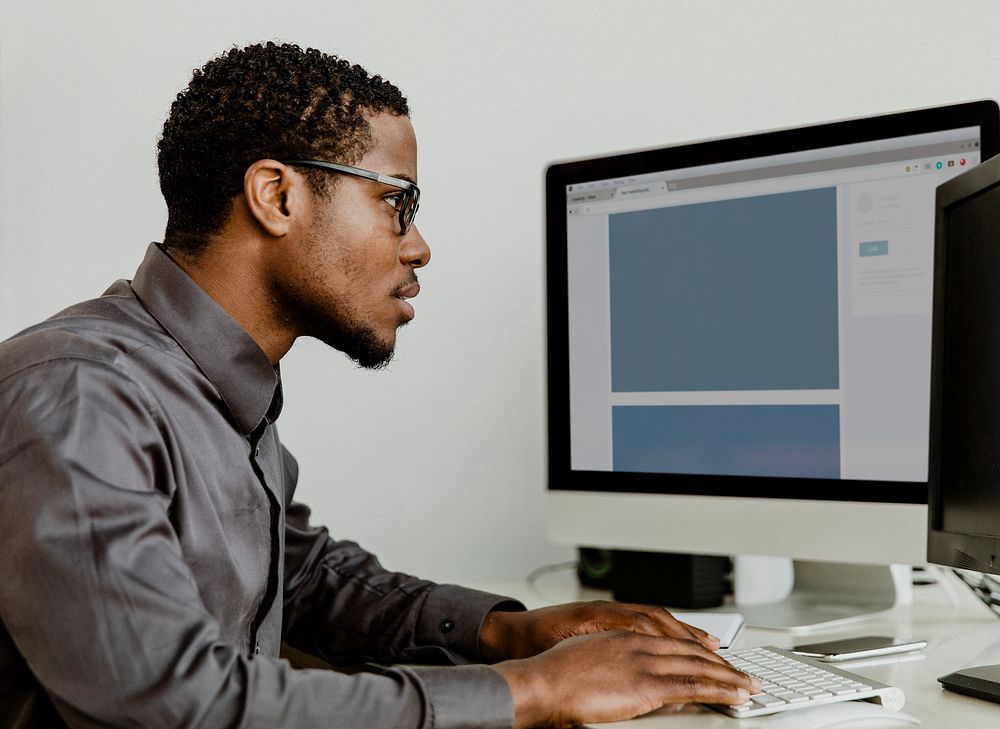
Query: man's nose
[[414, 251]]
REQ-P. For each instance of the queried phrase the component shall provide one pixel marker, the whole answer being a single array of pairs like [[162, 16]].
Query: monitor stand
[[802, 597]]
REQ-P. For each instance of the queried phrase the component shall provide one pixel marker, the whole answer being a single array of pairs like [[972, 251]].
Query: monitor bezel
[[974, 551], [561, 476]]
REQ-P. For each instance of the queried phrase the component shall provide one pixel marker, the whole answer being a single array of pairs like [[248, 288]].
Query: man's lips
[[408, 292]]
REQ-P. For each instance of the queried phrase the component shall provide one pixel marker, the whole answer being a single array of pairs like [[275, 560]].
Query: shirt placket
[[257, 441]]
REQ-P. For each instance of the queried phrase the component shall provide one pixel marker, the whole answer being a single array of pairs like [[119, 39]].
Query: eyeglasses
[[406, 204]]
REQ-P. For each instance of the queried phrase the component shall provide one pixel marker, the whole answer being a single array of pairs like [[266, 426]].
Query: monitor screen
[[751, 317], [964, 474]]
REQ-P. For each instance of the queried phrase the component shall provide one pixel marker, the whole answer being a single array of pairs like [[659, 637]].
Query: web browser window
[[761, 317]]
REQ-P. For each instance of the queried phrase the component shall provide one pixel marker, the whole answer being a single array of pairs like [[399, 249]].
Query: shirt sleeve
[[100, 603], [342, 605]]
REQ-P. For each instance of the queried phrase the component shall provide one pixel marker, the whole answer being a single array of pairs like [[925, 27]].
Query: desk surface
[[960, 631]]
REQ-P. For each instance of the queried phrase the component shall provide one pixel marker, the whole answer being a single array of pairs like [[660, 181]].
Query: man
[[153, 559]]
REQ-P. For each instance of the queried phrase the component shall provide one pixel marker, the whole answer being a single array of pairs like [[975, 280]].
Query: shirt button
[[256, 452], [256, 649], [447, 626]]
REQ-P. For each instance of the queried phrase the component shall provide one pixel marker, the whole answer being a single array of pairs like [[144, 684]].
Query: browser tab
[[641, 190], [585, 196]]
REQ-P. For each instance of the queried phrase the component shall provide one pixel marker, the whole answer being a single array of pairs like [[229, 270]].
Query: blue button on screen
[[874, 248]]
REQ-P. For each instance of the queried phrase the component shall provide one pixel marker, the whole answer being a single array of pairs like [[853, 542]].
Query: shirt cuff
[[466, 697], [452, 617]]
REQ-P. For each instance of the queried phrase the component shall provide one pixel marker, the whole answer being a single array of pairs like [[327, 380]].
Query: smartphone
[[851, 648]]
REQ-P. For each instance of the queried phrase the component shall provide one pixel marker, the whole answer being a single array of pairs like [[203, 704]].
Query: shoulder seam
[[144, 393]]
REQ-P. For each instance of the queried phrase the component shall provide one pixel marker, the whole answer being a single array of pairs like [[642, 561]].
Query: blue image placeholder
[[728, 440], [730, 295]]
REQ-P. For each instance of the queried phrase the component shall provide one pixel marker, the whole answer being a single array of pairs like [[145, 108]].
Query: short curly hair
[[259, 102]]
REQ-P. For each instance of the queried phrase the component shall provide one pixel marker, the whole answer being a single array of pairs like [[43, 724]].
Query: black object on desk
[[982, 682], [676, 580]]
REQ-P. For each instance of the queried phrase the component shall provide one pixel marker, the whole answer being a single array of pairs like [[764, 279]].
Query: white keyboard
[[796, 682]]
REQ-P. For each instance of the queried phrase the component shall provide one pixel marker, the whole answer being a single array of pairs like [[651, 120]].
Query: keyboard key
[[765, 700]]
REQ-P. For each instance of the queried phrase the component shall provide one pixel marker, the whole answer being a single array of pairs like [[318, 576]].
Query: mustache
[[401, 287]]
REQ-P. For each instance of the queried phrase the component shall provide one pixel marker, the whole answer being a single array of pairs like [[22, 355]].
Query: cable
[[546, 569], [531, 581], [983, 586]]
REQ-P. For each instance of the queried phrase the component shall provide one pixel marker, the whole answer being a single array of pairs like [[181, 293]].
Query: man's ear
[[273, 193]]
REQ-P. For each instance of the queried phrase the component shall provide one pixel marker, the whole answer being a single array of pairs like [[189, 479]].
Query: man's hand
[[616, 675], [520, 635]]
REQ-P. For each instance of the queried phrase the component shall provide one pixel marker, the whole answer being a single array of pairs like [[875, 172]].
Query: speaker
[[690, 581], [594, 567]]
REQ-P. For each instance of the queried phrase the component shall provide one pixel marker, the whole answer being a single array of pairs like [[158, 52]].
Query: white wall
[[437, 465]]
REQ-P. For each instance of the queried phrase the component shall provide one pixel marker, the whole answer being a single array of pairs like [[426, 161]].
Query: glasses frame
[[406, 210]]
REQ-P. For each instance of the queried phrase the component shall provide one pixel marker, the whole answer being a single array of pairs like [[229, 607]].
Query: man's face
[[346, 277]]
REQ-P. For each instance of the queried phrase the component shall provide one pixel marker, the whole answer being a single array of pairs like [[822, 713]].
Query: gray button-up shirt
[[152, 557]]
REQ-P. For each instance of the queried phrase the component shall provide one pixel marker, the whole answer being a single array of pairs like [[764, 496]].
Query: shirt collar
[[222, 349]]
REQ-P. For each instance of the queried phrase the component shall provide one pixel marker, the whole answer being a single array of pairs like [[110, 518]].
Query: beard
[[357, 340], [336, 323]]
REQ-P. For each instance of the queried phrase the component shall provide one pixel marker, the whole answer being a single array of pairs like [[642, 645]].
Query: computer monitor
[[739, 338], [964, 469], [964, 465]]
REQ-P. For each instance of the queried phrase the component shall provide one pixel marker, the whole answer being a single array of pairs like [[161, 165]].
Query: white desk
[[961, 632]]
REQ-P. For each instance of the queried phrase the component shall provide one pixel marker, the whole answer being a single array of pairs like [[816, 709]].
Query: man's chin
[[373, 360], [367, 350]]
